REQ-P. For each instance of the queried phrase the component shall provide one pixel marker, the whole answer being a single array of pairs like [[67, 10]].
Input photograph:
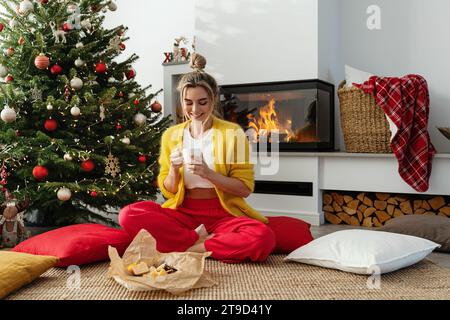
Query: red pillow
[[77, 244], [290, 233]]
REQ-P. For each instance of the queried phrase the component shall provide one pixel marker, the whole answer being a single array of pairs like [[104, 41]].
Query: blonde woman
[[205, 174]]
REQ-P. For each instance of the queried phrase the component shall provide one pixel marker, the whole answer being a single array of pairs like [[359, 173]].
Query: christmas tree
[[79, 137]]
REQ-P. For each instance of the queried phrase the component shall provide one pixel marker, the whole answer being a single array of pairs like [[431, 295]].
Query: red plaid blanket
[[406, 102]]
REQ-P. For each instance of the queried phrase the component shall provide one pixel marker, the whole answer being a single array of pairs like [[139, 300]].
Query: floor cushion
[[290, 233], [77, 244], [434, 228], [20, 269], [364, 251]]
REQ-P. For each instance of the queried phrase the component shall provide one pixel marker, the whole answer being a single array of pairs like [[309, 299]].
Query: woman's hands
[[176, 159], [201, 169]]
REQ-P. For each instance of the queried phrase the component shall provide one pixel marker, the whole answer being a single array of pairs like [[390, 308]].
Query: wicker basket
[[364, 124]]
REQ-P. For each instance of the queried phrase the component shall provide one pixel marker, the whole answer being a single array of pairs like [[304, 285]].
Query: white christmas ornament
[[13, 23], [76, 83], [79, 45], [110, 80], [112, 6], [75, 111], [64, 194], [8, 115], [140, 119], [126, 141], [79, 63], [49, 107], [3, 71], [86, 24], [67, 157], [25, 7]]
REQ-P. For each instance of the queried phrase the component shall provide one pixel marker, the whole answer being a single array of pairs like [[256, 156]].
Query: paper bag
[[190, 267]]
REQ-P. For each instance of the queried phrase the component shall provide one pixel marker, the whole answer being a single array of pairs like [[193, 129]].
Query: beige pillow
[[433, 228], [19, 269]]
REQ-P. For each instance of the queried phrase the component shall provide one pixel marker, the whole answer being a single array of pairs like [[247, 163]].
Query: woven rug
[[273, 280]]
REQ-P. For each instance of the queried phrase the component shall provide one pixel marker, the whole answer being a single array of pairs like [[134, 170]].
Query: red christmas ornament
[[42, 61], [67, 27], [50, 125], [21, 41], [142, 158], [67, 92], [9, 78], [156, 106], [94, 194], [43, 1], [122, 46], [10, 52], [118, 126], [40, 173], [88, 165], [130, 74], [136, 102], [17, 133], [100, 68], [56, 69], [121, 94], [2, 26]]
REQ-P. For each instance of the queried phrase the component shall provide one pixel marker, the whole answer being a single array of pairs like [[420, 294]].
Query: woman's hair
[[199, 78]]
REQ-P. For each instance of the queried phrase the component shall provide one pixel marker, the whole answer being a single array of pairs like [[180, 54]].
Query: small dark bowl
[[445, 132]]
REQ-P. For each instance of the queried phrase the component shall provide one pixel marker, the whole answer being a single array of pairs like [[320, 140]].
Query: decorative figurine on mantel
[[179, 54], [12, 227]]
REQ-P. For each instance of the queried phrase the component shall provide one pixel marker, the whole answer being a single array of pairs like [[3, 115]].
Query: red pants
[[235, 239]]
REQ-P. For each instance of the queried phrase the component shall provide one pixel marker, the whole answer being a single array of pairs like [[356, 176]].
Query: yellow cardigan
[[243, 170]]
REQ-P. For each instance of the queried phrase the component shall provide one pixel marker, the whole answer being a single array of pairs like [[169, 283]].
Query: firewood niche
[[375, 209]]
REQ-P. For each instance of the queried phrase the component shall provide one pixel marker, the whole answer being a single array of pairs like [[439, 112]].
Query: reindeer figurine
[[12, 227], [178, 54], [57, 34]]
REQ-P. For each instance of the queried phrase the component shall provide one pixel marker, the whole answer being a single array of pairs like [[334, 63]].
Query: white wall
[[153, 26], [249, 41], [414, 38]]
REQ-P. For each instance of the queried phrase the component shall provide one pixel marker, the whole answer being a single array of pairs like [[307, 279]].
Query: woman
[[205, 208]]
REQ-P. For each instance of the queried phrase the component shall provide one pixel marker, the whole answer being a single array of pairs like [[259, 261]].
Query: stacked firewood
[[374, 209]]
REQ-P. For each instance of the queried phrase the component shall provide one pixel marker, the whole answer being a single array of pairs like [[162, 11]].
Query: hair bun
[[198, 62]]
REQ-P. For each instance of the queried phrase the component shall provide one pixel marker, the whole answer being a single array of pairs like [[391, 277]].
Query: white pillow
[[353, 75], [364, 251]]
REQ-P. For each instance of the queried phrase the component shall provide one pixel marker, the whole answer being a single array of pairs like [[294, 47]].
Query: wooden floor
[[441, 259]]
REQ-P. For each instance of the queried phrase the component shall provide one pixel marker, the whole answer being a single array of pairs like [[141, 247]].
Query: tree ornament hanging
[[36, 94], [42, 61], [75, 16], [67, 157], [156, 107], [3, 71], [67, 27], [112, 165], [76, 83], [118, 126], [43, 2], [21, 41], [2, 26], [94, 194], [130, 74], [66, 92], [126, 141], [101, 68], [142, 158], [136, 102], [40, 173], [50, 125], [8, 114], [9, 78], [4, 176], [58, 34], [49, 107], [140, 119], [64, 194], [112, 6], [79, 63], [25, 7], [56, 69], [122, 46], [88, 165], [79, 45], [75, 111], [10, 52]]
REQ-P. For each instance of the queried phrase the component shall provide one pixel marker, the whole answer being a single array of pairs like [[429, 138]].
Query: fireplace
[[297, 114]]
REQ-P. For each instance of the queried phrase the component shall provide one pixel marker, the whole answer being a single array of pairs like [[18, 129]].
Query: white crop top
[[204, 145]]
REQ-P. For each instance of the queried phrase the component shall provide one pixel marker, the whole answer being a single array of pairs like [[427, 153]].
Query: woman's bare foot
[[203, 235]]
